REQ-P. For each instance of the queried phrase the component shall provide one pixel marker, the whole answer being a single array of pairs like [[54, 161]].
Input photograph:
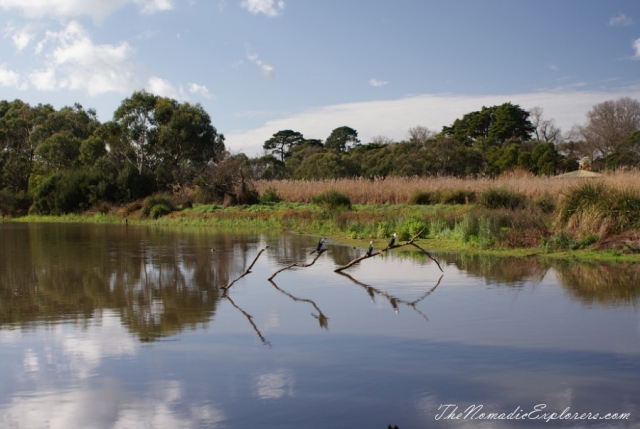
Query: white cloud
[[265, 69], [268, 7], [376, 82], [201, 90], [96, 9], [164, 88], [153, 6], [620, 20], [393, 118], [9, 78], [636, 47], [75, 62], [23, 37]]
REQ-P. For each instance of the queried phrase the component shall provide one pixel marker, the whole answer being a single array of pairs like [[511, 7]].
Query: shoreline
[[354, 227]]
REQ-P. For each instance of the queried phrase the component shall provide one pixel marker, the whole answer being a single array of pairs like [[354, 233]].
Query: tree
[[282, 142], [545, 130], [341, 138], [420, 134], [491, 126], [608, 124]]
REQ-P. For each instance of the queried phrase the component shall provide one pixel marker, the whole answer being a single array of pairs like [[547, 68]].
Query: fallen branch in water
[[324, 320], [297, 264], [249, 318], [248, 270], [394, 301], [355, 261]]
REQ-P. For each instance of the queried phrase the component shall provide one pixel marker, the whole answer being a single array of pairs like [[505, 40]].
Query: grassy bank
[[525, 231]]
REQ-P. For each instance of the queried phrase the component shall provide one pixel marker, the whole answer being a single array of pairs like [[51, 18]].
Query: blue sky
[[381, 67]]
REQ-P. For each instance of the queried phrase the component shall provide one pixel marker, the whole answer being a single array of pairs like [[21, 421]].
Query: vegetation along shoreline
[[495, 180]]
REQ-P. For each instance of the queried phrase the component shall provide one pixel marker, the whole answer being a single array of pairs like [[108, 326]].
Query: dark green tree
[[341, 139], [282, 142]]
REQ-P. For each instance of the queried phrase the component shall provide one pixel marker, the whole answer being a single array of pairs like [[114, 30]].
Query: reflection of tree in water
[[600, 283], [159, 281]]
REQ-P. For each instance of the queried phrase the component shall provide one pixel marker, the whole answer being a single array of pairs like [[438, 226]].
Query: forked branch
[[248, 270], [395, 246], [297, 264]]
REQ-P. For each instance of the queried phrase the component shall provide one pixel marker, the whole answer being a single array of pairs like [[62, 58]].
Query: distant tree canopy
[[492, 125], [57, 161]]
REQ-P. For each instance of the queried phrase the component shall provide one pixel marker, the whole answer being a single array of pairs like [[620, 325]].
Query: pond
[[109, 326]]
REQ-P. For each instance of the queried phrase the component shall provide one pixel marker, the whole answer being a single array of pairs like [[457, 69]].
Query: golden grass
[[396, 190]]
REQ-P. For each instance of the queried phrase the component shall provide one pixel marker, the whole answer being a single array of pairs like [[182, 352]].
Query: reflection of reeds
[[509, 271], [601, 283], [397, 190]]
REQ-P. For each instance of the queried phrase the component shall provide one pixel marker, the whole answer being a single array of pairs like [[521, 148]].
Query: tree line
[[59, 161]]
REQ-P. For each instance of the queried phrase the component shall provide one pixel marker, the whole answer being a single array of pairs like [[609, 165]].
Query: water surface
[[107, 326]]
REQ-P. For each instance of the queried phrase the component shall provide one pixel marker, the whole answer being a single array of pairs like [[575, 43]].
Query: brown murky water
[[107, 326]]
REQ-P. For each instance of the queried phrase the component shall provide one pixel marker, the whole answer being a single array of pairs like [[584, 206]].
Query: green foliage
[[282, 142], [383, 230], [561, 240], [545, 203], [457, 196], [332, 200], [423, 198], [270, 196], [496, 198], [70, 191], [598, 208], [162, 204], [492, 125], [341, 138]]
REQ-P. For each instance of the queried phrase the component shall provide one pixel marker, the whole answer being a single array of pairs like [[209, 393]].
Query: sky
[[378, 66]]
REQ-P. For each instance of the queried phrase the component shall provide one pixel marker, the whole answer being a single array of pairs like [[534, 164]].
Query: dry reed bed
[[396, 190]]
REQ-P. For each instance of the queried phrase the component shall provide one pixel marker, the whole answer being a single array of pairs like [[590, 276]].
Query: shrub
[[383, 230], [458, 196], [545, 203], [164, 201], [270, 195], [423, 198], [497, 198], [561, 240], [332, 200], [596, 208]]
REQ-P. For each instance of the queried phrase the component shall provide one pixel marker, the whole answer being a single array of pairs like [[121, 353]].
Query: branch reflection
[[393, 300], [324, 320], [249, 318]]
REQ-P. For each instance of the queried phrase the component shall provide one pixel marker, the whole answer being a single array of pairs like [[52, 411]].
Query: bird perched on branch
[[320, 247], [393, 240], [370, 251]]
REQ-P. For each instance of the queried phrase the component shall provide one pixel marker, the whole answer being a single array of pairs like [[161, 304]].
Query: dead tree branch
[[395, 246], [297, 264], [248, 270], [324, 320]]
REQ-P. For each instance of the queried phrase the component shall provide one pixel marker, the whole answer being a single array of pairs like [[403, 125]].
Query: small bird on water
[[320, 247], [370, 251]]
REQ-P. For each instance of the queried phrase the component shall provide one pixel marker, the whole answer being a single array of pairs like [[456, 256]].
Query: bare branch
[[296, 264], [355, 261], [429, 255], [248, 270]]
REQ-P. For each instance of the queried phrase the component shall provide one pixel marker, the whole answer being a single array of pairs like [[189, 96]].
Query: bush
[[159, 204], [596, 208], [332, 200], [458, 196], [545, 203], [423, 198], [497, 198], [561, 240], [270, 196]]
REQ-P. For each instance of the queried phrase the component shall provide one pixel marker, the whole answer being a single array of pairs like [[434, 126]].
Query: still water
[[107, 326]]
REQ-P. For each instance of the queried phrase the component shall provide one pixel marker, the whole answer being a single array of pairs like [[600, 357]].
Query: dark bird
[[392, 427], [370, 251], [321, 247], [393, 240]]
